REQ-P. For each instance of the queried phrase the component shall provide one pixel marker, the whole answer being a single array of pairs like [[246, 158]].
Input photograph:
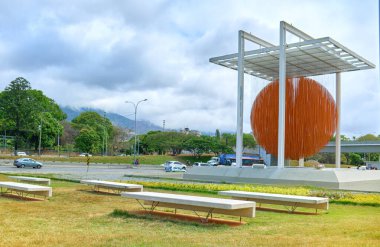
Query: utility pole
[[5, 140], [105, 135], [138, 146], [39, 142], [104, 131], [58, 143], [40, 128], [163, 126], [135, 106]]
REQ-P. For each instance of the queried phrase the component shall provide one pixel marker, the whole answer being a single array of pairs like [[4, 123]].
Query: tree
[[48, 117], [217, 135], [342, 138], [50, 129], [327, 158], [176, 140], [88, 141], [68, 134], [100, 125], [229, 139], [218, 148], [15, 107], [343, 159], [198, 145], [368, 137], [249, 141], [355, 159], [119, 142], [161, 142], [155, 142], [21, 110]]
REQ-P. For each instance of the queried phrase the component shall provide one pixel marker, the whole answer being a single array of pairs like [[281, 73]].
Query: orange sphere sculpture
[[310, 117]]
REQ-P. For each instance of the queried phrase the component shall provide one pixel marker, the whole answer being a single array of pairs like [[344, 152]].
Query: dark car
[[27, 162]]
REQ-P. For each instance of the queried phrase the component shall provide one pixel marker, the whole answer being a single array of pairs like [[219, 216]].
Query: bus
[[246, 161]]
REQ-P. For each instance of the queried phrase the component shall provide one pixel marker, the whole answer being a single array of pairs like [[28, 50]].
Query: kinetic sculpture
[[310, 121]]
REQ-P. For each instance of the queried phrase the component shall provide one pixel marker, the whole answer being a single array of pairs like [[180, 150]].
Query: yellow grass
[[76, 217]]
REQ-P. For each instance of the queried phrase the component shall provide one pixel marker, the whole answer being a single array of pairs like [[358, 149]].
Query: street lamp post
[[135, 105], [104, 136], [39, 142], [40, 129]]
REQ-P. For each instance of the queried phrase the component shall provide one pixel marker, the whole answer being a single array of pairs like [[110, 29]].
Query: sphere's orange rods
[[310, 117]]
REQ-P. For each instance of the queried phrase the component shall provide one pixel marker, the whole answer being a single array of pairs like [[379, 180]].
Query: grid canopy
[[306, 58]]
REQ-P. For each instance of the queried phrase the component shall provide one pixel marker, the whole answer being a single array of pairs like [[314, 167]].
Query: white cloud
[[101, 34], [101, 53]]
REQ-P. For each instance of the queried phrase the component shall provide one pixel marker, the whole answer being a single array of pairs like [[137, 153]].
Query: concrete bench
[[31, 179], [292, 201], [24, 190], [194, 203], [112, 186]]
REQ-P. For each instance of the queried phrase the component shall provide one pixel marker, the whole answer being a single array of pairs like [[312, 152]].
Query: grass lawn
[[75, 216]]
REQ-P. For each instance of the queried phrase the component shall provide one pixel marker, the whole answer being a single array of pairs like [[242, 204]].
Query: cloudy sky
[[101, 53]]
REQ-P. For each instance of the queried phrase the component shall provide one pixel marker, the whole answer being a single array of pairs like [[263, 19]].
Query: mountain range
[[116, 119]]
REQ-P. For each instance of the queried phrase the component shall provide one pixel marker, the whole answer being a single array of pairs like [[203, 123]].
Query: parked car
[[171, 166], [212, 163], [362, 168], [27, 162], [85, 154], [21, 154], [168, 163], [201, 164]]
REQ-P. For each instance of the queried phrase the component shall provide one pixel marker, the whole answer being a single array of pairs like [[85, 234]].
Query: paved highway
[[95, 171]]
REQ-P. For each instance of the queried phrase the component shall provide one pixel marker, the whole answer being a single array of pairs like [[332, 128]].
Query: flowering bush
[[214, 188], [361, 199], [334, 196]]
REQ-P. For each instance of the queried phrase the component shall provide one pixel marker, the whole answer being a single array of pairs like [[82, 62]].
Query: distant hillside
[[116, 119]]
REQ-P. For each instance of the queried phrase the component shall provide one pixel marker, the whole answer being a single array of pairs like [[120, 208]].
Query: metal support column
[[301, 162], [240, 101], [281, 95], [337, 133]]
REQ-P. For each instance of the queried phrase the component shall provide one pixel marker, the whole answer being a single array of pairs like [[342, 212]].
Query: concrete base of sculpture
[[342, 179]]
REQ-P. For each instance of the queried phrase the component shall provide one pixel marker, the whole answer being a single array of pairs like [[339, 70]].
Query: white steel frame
[[309, 57]]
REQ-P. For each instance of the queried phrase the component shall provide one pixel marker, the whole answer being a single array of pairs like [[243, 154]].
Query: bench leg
[[141, 204], [205, 220], [292, 208], [23, 194], [152, 207]]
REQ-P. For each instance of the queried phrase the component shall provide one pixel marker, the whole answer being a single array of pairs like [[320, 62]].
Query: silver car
[[201, 164], [27, 162], [171, 166]]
